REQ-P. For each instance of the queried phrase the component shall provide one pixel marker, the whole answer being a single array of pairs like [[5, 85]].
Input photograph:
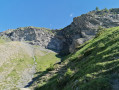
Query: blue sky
[[52, 14]]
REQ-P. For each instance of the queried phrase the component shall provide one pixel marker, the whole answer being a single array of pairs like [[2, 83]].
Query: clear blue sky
[[52, 14]]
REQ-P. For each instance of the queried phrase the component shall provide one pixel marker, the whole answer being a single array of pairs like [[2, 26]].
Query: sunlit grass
[[94, 64]]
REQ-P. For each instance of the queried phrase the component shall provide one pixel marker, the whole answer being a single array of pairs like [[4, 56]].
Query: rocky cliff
[[36, 36], [86, 26], [82, 28]]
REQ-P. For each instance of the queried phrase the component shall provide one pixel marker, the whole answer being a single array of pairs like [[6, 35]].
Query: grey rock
[[65, 41], [36, 36]]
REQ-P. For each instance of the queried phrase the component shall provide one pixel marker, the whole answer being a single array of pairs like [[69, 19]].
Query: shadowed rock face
[[66, 40]]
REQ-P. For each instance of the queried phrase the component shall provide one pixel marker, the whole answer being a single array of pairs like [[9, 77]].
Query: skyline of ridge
[[43, 13]]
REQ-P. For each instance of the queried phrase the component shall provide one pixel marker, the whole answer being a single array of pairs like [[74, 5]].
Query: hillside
[[94, 66], [65, 41], [81, 56], [20, 61]]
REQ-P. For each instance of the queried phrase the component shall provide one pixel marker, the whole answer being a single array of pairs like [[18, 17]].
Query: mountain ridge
[[88, 49], [67, 39]]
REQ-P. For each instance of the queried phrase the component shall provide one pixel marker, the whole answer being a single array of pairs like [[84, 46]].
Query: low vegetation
[[45, 60], [19, 62], [92, 67], [51, 67]]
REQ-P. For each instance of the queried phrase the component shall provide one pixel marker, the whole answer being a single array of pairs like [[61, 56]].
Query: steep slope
[[85, 27], [94, 66], [20, 61], [91, 66], [15, 58]]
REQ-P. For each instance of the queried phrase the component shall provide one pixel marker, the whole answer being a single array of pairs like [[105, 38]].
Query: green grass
[[15, 65], [44, 62], [94, 64]]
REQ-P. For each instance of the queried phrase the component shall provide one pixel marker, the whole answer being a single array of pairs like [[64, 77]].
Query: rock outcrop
[[36, 36], [86, 26], [66, 40]]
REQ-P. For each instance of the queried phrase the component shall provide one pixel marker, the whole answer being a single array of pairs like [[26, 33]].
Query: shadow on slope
[[48, 59], [95, 66]]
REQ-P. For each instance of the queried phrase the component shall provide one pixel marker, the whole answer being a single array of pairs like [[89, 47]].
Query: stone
[[65, 41]]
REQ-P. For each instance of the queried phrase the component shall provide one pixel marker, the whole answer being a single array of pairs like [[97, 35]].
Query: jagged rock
[[66, 40], [86, 26], [36, 36]]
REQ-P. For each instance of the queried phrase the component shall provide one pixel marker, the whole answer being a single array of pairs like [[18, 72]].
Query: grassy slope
[[95, 66], [44, 61], [15, 57]]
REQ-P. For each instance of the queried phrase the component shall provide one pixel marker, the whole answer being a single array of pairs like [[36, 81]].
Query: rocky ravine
[[66, 40]]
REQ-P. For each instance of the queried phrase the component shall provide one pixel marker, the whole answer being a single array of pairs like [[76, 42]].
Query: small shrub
[[106, 10], [97, 9], [101, 45], [69, 73], [100, 30], [51, 67]]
